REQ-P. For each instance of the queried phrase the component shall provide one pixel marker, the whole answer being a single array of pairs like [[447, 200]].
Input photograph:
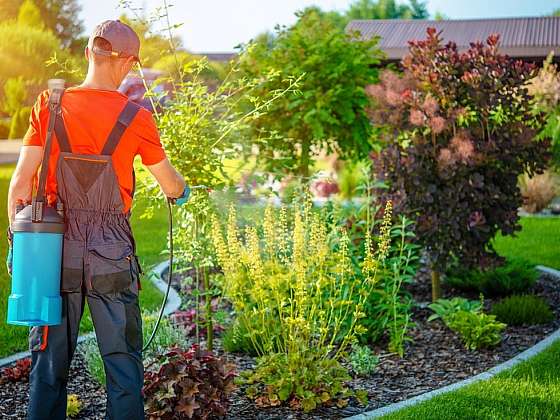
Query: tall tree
[[387, 9], [30, 15], [60, 16], [330, 112]]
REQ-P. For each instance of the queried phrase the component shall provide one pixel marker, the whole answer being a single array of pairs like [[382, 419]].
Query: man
[[97, 135]]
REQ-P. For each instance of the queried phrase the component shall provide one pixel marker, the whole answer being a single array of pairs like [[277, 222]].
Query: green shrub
[[352, 178], [516, 276], [477, 330], [445, 308], [363, 360], [523, 310], [236, 339], [20, 123], [300, 299]]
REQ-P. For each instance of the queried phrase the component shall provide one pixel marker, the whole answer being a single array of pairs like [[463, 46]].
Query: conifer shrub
[[523, 310]]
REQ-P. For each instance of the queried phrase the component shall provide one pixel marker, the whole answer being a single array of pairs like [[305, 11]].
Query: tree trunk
[[208, 310], [436, 286], [304, 161]]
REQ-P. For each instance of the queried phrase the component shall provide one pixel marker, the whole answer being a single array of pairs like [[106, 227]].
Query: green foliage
[[352, 179], [516, 276], [387, 9], [363, 360], [457, 132], [20, 123], [185, 384], [24, 50], [330, 110], [30, 15], [306, 379], [59, 16], [388, 308], [15, 95], [523, 310], [237, 339], [477, 330], [446, 308], [296, 294], [73, 405]]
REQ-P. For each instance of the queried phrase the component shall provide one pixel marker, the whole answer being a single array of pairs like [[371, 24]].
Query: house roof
[[528, 37]]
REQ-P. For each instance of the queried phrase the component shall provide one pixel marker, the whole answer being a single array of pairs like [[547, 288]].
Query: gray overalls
[[100, 265]]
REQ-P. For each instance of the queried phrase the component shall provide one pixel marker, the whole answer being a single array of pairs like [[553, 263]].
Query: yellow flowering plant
[[298, 298]]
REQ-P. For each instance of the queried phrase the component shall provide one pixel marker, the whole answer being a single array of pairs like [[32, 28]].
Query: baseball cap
[[124, 41]]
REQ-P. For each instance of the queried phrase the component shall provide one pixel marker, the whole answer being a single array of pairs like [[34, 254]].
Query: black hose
[[169, 275]]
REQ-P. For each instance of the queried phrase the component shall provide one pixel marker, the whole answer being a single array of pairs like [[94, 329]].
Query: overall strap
[[125, 118], [62, 134]]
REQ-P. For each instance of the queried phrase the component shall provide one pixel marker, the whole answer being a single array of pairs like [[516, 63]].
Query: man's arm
[[170, 181], [21, 184]]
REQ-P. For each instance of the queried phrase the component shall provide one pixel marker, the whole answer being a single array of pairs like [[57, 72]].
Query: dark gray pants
[[117, 322]]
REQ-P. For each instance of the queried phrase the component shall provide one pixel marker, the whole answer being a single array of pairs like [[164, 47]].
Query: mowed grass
[[531, 390], [151, 237], [538, 242]]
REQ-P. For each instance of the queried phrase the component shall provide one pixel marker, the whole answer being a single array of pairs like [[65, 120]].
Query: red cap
[[124, 41]]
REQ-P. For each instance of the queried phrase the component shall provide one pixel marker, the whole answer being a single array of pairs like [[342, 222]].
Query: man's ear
[[87, 53]]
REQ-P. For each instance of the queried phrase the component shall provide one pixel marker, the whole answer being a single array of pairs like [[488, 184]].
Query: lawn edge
[[158, 272], [508, 364]]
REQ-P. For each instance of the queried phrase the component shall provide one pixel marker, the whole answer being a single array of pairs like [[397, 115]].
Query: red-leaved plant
[[17, 373], [188, 384], [457, 132]]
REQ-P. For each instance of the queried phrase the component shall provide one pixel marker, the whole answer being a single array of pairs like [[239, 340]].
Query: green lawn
[[531, 390], [151, 237], [538, 242]]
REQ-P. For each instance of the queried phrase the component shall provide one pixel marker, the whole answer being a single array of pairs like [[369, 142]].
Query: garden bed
[[436, 358]]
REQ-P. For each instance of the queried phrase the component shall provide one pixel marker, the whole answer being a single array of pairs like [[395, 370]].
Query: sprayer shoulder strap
[[125, 118], [54, 111], [61, 134]]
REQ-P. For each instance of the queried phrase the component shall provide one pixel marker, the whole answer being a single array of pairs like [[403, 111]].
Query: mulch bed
[[434, 359]]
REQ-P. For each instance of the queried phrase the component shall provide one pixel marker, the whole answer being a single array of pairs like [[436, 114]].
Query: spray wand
[[178, 201]]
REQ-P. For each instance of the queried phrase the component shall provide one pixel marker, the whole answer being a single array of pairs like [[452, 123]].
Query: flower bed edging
[[521, 357], [173, 303]]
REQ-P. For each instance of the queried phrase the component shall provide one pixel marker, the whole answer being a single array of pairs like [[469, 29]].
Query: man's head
[[112, 50]]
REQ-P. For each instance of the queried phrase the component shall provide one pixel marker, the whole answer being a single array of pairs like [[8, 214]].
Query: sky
[[220, 25]]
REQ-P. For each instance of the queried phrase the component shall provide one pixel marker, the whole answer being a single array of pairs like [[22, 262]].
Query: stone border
[[173, 303], [521, 357]]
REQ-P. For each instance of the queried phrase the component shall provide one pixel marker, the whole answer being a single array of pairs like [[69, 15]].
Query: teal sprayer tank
[[37, 250], [37, 245]]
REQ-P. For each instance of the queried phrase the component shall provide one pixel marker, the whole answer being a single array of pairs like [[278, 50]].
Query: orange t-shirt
[[89, 116]]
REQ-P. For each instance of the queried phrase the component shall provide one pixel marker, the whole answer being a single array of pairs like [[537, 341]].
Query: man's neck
[[93, 81]]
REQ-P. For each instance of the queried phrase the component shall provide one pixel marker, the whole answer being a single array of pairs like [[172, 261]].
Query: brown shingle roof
[[529, 37]]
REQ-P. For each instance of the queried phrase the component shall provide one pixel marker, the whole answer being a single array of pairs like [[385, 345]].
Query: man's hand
[[183, 198], [21, 184]]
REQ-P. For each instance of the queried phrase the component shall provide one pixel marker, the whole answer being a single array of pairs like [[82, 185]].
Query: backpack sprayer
[[38, 236]]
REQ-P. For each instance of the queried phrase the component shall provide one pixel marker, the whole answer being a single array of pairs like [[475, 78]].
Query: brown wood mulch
[[434, 359]]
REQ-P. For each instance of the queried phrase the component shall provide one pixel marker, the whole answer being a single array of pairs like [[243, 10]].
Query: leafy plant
[[329, 110], [363, 360], [236, 338], [17, 373], [20, 123], [457, 130], [477, 329], [186, 384], [517, 276], [298, 298], [446, 308], [73, 405], [523, 310]]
